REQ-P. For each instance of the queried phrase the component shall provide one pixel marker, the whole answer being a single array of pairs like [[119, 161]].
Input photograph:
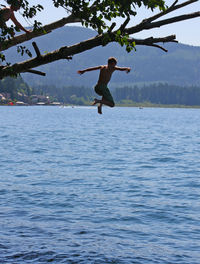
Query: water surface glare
[[78, 187]]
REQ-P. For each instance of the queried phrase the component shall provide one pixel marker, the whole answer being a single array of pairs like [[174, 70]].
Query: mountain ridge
[[180, 65]]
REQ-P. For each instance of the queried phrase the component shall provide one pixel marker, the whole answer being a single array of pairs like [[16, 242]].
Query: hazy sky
[[186, 32]]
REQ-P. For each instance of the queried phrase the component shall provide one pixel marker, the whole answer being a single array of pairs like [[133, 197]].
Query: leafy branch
[[96, 14]]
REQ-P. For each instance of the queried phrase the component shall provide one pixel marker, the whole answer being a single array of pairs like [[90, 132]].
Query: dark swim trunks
[[102, 90]]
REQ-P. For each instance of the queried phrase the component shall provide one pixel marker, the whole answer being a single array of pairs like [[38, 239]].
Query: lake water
[[78, 187]]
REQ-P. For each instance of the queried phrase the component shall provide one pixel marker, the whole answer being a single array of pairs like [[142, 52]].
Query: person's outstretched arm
[[127, 69], [89, 69], [16, 22]]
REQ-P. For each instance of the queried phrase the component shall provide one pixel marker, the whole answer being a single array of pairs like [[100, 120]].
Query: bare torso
[[105, 75]]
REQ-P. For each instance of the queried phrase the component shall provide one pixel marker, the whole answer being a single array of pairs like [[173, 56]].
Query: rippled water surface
[[77, 187]]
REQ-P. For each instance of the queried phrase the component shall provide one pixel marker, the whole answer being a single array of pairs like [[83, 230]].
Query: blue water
[[78, 187]]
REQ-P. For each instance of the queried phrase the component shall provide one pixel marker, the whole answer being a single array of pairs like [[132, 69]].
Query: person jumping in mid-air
[[101, 88], [8, 13]]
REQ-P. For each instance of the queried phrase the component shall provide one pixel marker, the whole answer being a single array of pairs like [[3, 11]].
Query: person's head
[[15, 5], [112, 62]]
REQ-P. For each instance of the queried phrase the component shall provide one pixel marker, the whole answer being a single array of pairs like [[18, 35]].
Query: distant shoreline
[[136, 105], [146, 105]]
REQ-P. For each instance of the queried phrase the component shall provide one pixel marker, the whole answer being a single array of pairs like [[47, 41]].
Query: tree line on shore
[[161, 93], [14, 89], [155, 93]]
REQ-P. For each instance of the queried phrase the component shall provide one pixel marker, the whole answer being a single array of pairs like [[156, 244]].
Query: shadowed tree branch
[[172, 8], [44, 30], [66, 52], [151, 41], [103, 39], [171, 20], [150, 25], [145, 24]]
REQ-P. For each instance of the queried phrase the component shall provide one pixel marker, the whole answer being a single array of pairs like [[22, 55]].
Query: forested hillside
[[157, 93], [160, 94], [180, 66], [13, 87]]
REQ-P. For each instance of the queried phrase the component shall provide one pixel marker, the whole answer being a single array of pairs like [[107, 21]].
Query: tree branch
[[44, 30], [123, 26], [147, 25], [37, 72], [158, 46], [175, 19], [65, 52], [37, 51], [151, 41], [172, 8]]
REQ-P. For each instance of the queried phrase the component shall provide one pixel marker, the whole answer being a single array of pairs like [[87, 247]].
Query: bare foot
[[100, 110], [96, 101]]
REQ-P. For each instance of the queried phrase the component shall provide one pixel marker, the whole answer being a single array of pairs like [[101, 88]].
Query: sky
[[186, 32]]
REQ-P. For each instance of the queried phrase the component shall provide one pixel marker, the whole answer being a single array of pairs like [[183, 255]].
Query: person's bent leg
[[108, 103], [103, 101], [107, 98]]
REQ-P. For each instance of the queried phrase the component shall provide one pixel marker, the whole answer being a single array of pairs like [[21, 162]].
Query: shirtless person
[[101, 88], [8, 13]]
